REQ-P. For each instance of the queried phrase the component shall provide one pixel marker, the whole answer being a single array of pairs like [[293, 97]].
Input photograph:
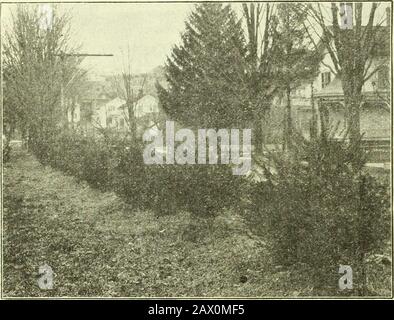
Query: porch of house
[[375, 124]]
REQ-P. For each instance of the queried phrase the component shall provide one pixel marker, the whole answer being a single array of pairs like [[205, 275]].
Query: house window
[[325, 79], [383, 78]]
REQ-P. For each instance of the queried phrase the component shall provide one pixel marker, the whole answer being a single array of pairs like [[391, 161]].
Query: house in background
[[146, 106], [100, 106], [147, 113], [110, 115], [96, 94], [323, 98], [114, 114]]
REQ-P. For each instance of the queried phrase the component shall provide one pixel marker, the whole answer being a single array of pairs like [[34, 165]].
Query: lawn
[[99, 246]]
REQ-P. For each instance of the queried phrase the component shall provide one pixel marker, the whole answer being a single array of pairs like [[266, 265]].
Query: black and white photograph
[[196, 150]]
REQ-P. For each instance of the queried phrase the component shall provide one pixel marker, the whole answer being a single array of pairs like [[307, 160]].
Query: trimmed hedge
[[117, 165]]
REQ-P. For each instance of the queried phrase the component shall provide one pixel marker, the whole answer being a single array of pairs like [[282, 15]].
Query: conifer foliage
[[206, 73]]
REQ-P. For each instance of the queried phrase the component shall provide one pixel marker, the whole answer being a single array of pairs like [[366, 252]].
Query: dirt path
[[98, 246]]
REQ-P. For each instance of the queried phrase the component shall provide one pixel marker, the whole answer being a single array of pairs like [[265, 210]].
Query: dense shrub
[[117, 164], [202, 190], [129, 177], [208, 189], [199, 189], [77, 155], [320, 210]]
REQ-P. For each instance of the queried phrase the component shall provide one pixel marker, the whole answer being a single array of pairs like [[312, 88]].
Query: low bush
[[208, 189], [199, 189], [203, 190]]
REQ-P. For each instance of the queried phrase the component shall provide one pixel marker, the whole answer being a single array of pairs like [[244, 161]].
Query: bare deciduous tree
[[353, 51], [35, 76], [124, 87], [260, 24]]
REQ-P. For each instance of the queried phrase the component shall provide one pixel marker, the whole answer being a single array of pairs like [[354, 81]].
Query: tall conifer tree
[[207, 72]]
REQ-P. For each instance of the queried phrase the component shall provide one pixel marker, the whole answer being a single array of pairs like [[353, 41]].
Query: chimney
[[388, 17]]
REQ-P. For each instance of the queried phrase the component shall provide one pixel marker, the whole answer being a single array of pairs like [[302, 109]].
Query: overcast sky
[[149, 30]]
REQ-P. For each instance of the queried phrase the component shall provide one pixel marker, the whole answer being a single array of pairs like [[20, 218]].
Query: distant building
[[325, 94], [114, 114], [146, 105], [97, 94], [323, 98], [99, 106], [111, 115], [147, 111]]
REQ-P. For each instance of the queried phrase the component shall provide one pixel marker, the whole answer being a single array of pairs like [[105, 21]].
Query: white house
[[114, 113], [324, 97], [146, 105]]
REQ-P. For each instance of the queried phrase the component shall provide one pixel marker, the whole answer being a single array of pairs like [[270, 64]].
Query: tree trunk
[[353, 105], [132, 121], [313, 124], [353, 96], [258, 136], [287, 122], [265, 126]]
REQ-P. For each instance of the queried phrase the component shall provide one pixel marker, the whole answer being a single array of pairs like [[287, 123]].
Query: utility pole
[[67, 55]]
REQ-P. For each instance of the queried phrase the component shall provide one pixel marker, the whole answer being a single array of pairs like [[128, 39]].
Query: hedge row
[[319, 210], [117, 165]]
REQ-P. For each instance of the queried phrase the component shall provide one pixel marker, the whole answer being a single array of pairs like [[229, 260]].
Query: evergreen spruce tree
[[206, 73]]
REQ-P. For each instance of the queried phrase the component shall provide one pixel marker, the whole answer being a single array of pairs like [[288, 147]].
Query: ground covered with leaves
[[99, 246]]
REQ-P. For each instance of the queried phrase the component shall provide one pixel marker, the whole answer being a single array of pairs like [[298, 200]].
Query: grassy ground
[[99, 246]]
